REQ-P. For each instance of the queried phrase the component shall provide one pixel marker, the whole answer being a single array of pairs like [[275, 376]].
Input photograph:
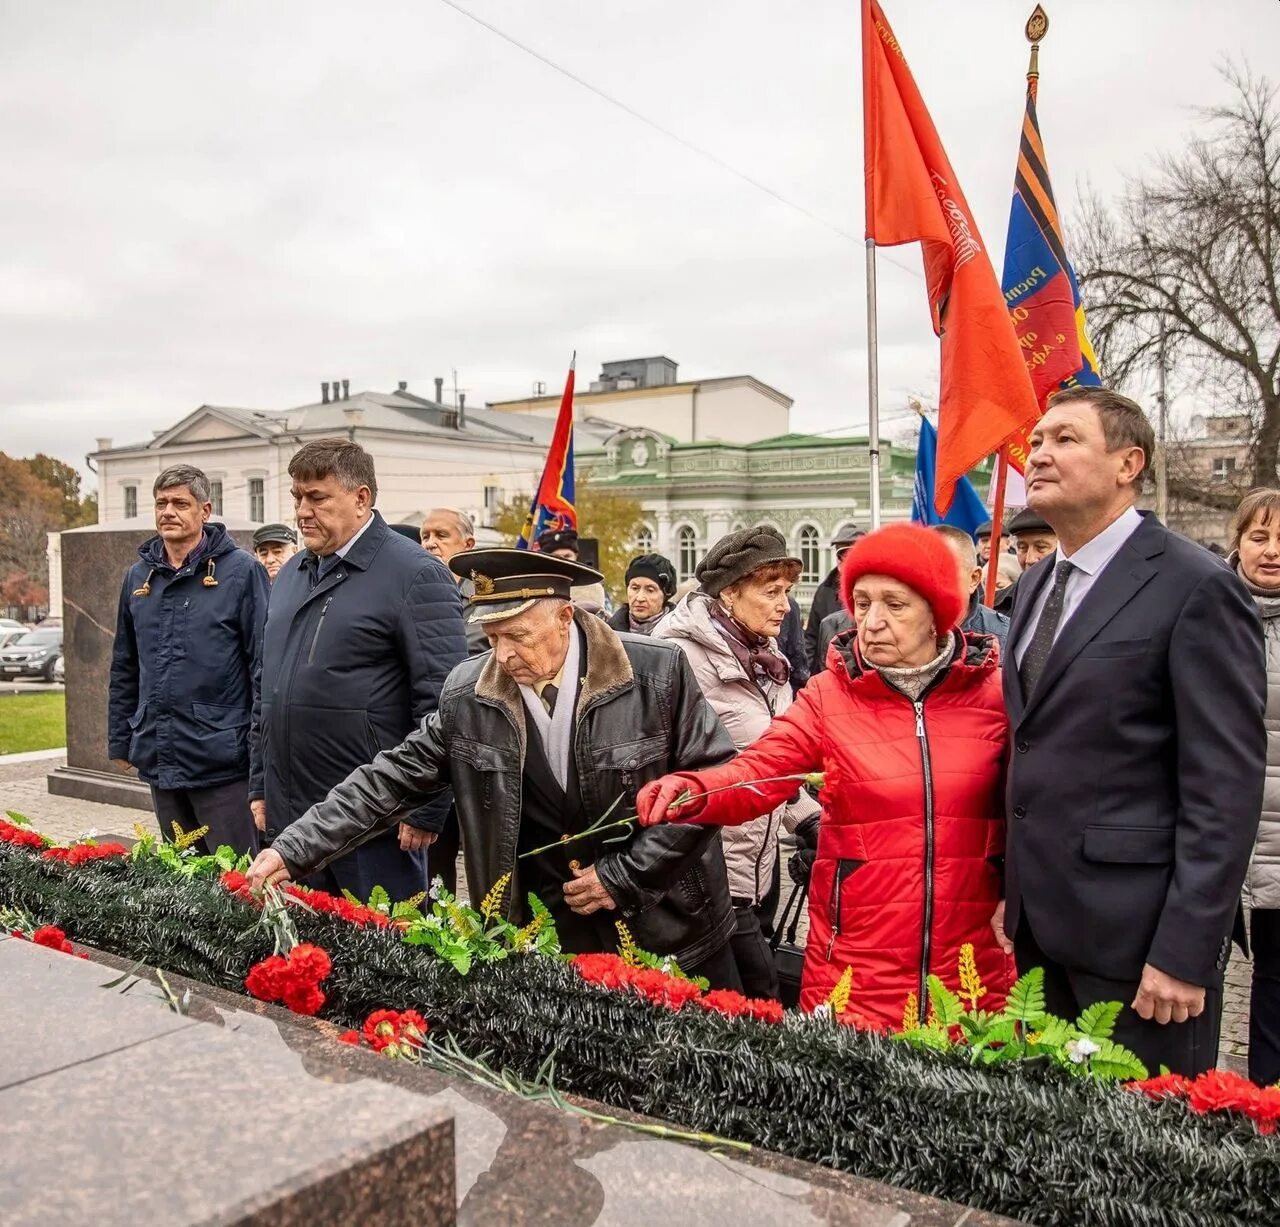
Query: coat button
[[1019, 811], [1023, 747]]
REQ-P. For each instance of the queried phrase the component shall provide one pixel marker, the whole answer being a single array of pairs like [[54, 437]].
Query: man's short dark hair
[[340, 458], [1123, 422], [184, 475]]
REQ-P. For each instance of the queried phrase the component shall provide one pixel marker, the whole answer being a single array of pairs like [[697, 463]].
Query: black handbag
[[787, 955]]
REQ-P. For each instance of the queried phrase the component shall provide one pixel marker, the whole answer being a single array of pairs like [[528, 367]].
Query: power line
[[701, 152]]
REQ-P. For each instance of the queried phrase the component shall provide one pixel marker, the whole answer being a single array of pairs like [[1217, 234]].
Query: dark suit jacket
[[1136, 777]]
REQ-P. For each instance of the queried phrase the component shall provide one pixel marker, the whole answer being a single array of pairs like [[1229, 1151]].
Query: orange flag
[[912, 196]]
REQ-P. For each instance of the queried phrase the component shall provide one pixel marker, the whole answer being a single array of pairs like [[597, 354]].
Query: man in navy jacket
[[183, 665], [363, 629], [1135, 685]]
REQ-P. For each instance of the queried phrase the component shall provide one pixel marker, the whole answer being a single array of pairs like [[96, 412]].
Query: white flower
[[1081, 1050], [437, 885], [823, 1010], [666, 967], [432, 922], [91, 833]]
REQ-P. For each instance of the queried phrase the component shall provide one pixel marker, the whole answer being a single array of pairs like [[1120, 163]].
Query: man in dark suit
[[1135, 689]]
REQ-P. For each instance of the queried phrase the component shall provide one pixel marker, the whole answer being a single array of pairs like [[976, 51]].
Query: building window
[[644, 540], [492, 501], [215, 496], [688, 543], [810, 555], [1223, 467], [131, 502], [257, 500]]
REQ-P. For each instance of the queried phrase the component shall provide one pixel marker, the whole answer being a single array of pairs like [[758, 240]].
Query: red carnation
[[235, 882], [309, 963], [53, 938], [1218, 1091], [381, 1028], [764, 1009], [303, 998], [21, 837], [725, 1001], [266, 979], [1166, 1086], [413, 1025]]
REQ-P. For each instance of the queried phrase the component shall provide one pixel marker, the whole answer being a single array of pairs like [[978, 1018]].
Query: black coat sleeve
[[122, 690], [1218, 685], [653, 860]]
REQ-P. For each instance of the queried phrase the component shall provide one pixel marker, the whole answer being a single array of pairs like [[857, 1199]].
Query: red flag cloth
[[554, 506], [913, 196]]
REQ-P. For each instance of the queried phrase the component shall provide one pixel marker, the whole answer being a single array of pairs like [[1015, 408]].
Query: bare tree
[[1187, 261]]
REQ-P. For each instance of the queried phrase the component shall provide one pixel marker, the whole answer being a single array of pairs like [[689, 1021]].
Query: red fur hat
[[916, 556]]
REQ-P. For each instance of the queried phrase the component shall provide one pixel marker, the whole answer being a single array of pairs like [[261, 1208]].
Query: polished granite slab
[[116, 1110], [524, 1163]]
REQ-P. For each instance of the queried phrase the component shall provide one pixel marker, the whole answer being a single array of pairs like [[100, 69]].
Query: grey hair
[[184, 475], [466, 525]]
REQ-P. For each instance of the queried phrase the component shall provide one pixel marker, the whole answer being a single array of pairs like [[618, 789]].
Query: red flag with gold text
[[912, 194]]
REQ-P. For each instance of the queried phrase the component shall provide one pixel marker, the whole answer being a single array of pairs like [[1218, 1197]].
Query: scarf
[[644, 626], [912, 680], [557, 731], [753, 651]]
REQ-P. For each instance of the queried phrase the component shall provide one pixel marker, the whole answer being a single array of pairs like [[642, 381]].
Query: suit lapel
[[1121, 580]]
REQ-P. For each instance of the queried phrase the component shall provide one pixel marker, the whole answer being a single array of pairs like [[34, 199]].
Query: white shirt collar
[[342, 553], [1095, 554]]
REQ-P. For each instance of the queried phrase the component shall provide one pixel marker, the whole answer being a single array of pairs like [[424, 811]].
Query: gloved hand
[[660, 800], [800, 866]]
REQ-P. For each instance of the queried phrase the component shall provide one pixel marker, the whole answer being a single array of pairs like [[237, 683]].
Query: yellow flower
[[183, 840], [911, 1015], [490, 904], [971, 986], [839, 999], [525, 937], [627, 947]]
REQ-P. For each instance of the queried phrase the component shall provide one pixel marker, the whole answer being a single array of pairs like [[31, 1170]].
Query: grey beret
[[734, 557]]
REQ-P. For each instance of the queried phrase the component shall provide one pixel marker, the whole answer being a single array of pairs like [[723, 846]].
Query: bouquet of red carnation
[[293, 979]]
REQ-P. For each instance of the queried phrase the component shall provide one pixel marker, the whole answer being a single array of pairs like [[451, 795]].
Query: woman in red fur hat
[[908, 725]]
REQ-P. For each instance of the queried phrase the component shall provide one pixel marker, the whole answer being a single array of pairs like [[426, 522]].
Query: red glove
[[670, 799]]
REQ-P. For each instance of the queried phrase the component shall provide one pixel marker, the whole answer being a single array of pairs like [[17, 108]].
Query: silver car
[[34, 654]]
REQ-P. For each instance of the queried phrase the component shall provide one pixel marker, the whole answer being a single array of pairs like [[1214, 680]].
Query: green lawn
[[32, 722]]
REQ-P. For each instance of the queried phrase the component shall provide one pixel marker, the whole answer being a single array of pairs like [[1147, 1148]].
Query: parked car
[[60, 669], [33, 655], [11, 634]]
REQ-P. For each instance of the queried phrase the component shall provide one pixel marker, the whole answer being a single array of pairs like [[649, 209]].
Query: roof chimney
[[346, 385], [403, 386], [324, 393], [104, 443], [462, 410], [439, 389], [337, 390]]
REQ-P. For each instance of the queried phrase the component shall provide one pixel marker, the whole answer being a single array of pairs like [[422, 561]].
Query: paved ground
[[22, 788], [17, 685]]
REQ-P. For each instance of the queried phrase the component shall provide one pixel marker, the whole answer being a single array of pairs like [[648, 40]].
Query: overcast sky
[[227, 204]]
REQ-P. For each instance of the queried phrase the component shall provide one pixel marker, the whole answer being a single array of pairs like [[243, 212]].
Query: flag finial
[[1037, 27]]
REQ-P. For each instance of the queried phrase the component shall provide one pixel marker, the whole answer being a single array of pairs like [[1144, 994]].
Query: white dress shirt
[[1088, 562]]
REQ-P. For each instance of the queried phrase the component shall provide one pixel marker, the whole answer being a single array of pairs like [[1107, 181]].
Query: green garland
[[1021, 1139]]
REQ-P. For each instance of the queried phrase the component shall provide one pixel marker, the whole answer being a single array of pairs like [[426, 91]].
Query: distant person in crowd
[[186, 655], [1256, 559], [907, 722], [826, 600], [1033, 538], [982, 540], [1007, 572], [539, 739], [651, 583], [792, 645], [559, 543], [447, 531], [1136, 688], [728, 630], [363, 630], [978, 618], [273, 546]]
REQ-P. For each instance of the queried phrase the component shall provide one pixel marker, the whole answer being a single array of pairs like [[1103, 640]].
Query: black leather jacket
[[640, 715]]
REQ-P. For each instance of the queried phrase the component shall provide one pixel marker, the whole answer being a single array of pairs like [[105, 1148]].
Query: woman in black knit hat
[[651, 583]]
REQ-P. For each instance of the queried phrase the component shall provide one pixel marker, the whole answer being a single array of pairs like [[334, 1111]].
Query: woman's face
[[760, 605], [1260, 550], [895, 624], [644, 598]]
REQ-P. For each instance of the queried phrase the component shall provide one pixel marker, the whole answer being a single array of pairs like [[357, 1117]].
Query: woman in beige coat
[[728, 629]]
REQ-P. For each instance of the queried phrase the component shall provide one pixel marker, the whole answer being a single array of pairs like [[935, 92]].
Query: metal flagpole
[[873, 386]]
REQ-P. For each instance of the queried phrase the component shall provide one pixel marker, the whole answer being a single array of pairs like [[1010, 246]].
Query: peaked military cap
[[508, 581], [271, 533]]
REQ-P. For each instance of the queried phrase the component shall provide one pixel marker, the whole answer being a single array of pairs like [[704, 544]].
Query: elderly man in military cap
[[273, 546], [538, 739]]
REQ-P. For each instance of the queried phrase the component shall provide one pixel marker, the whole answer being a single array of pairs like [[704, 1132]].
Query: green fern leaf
[[1026, 999], [1098, 1022], [1114, 1061], [947, 1007], [1054, 1032]]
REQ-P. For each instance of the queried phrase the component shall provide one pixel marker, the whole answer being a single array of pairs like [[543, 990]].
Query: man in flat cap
[[538, 739], [273, 546], [1033, 540]]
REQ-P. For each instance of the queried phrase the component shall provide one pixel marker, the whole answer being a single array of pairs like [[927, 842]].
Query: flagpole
[[873, 386], [997, 528]]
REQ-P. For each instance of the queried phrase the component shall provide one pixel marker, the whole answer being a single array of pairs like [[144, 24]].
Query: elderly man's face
[[565, 552], [531, 646], [442, 535], [328, 515], [273, 555], [1034, 546], [179, 516]]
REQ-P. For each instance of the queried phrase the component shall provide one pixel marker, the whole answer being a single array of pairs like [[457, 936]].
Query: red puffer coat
[[912, 829]]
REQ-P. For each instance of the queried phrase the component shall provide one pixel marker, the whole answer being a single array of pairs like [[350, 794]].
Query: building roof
[[664, 389]]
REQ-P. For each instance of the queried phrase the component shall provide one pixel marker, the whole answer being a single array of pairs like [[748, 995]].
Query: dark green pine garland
[[1023, 1140]]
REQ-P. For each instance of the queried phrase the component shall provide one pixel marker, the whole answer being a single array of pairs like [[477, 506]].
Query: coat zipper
[[324, 609], [926, 938]]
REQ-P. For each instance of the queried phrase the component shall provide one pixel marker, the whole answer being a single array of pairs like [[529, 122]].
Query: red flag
[[912, 196], [553, 507]]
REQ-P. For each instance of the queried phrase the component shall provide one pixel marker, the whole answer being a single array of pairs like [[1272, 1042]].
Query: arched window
[[810, 555], [688, 544], [644, 540]]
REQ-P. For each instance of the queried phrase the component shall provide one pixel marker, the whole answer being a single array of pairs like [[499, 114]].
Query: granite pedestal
[[513, 1161], [94, 561]]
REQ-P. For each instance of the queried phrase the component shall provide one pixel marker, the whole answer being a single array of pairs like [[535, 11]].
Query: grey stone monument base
[[240, 1112], [108, 787]]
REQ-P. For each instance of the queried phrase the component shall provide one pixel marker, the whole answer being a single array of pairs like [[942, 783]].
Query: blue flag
[[968, 511]]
